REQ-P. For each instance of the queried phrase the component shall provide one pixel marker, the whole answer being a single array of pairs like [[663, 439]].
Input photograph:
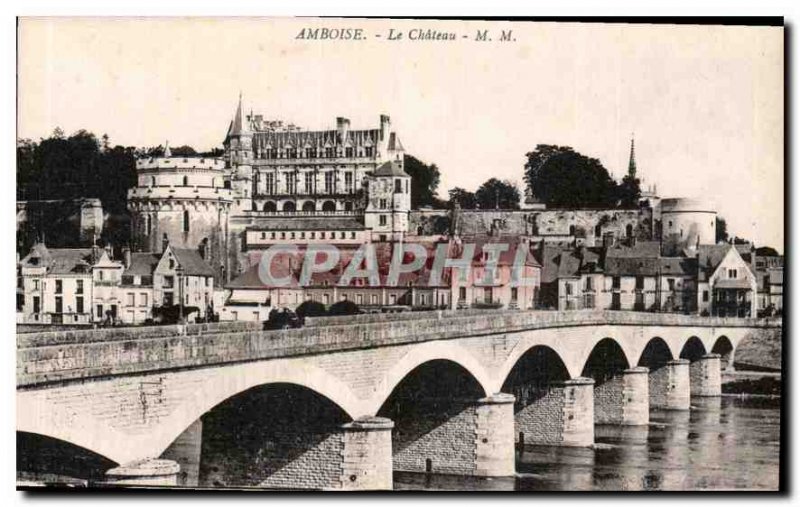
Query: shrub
[[492, 305], [310, 309], [344, 307]]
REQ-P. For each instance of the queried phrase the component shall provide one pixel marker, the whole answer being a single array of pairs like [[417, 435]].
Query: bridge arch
[[419, 355], [268, 436], [42, 454], [243, 377], [655, 353], [76, 427], [693, 349], [539, 365], [724, 347], [606, 360]]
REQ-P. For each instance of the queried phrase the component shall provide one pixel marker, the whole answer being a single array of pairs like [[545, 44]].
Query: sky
[[705, 102]]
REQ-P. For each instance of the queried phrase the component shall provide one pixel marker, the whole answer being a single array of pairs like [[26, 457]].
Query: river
[[726, 443]]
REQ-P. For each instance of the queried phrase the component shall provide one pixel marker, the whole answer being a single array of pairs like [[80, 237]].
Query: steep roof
[[551, 258], [191, 262], [678, 266], [582, 260], [394, 142], [709, 258], [506, 257], [60, 260], [142, 264], [69, 260], [391, 168], [639, 259], [639, 249]]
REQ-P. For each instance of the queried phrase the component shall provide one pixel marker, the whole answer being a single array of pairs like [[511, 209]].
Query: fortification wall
[[586, 223]]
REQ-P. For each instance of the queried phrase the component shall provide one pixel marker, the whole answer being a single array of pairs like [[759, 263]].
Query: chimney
[[203, 248], [385, 124], [126, 255], [342, 126], [164, 242]]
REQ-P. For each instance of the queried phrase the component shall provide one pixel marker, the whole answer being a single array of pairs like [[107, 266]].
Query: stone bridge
[[343, 405]]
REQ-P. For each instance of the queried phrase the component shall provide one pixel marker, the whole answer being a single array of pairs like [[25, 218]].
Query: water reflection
[[722, 443]]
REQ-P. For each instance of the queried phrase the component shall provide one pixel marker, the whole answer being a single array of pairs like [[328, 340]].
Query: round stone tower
[[686, 223], [184, 200]]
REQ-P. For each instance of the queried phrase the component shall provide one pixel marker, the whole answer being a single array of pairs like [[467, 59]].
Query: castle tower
[[389, 204], [185, 199], [239, 159]]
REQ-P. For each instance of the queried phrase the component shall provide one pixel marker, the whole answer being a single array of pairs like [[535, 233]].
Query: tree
[[69, 168], [628, 192], [766, 251], [183, 151], [424, 182], [722, 230], [344, 307], [464, 198], [496, 194], [564, 178], [310, 309]]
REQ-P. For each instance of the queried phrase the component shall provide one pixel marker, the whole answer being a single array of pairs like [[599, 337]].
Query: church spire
[[237, 119], [167, 151], [632, 160]]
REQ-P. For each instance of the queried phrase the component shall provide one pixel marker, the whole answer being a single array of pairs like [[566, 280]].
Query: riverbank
[[752, 383]]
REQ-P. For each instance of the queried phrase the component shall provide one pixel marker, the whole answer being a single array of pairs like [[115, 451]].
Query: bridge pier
[[562, 414], [367, 454], [705, 377], [669, 386], [145, 472], [473, 439], [186, 451], [494, 436], [623, 399]]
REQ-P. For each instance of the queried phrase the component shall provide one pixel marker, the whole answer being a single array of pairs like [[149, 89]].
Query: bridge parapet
[[51, 359]]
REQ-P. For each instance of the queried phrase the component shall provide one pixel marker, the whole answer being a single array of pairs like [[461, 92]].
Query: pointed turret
[[236, 129], [167, 151], [632, 160]]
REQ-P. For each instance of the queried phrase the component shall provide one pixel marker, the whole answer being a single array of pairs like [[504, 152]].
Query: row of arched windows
[[326, 152], [307, 206]]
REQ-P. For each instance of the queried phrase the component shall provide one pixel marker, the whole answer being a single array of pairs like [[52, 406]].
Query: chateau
[[276, 183]]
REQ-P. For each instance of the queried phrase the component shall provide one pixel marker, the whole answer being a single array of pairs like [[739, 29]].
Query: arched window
[[186, 221], [328, 206], [185, 181], [152, 181], [629, 230], [289, 206], [571, 230], [270, 206], [308, 206]]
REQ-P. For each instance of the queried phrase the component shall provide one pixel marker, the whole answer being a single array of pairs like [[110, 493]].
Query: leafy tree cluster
[[424, 183], [563, 178], [492, 194], [316, 309], [60, 168]]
